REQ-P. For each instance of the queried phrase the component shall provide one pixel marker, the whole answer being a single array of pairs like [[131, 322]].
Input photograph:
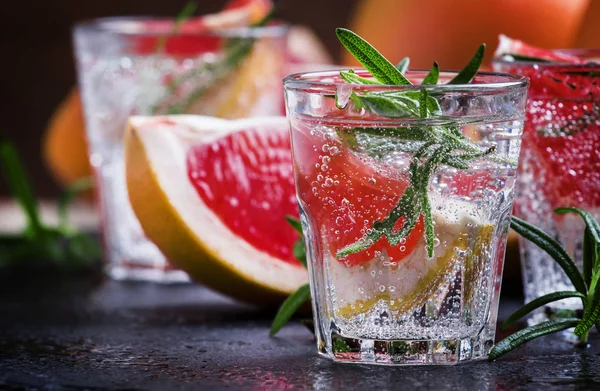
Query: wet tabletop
[[105, 335]]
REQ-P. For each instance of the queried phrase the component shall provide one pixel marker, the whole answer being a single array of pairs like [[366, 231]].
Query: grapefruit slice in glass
[[192, 36], [508, 46], [212, 194]]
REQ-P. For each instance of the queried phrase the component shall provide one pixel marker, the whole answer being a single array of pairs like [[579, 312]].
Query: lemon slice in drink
[[461, 236]]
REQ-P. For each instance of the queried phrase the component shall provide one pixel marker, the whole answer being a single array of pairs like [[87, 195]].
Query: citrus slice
[[191, 37], [347, 193], [251, 87], [508, 46], [408, 284], [212, 194]]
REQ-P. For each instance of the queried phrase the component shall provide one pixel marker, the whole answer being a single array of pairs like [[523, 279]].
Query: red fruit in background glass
[[187, 40], [507, 45], [562, 128]]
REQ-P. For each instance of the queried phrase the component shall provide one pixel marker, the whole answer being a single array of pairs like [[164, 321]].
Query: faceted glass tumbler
[[390, 303], [141, 66], [560, 167]]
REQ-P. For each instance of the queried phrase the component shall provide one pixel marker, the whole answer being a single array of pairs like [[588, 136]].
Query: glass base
[[133, 273], [405, 352]]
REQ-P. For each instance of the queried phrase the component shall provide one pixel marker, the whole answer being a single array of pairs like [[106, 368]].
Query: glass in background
[[559, 167], [138, 66]]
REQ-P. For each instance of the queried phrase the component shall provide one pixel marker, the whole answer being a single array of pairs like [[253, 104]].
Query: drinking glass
[[560, 167], [392, 303], [143, 66]]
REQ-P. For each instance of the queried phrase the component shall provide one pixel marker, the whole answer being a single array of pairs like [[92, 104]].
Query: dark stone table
[[109, 335]]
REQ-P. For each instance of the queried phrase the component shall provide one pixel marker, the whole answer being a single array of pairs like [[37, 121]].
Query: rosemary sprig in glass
[[212, 73], [431, 146]]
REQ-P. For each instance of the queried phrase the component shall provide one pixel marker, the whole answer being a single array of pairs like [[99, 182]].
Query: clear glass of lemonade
[[142, 66], [392, 301], [560, 167]]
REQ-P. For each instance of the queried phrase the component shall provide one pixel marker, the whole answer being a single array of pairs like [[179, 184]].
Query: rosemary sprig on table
[[63, 245], [586, 284], [431, 145], [302, 294]]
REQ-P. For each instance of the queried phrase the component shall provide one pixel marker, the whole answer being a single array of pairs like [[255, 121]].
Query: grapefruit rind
[[176, 219]]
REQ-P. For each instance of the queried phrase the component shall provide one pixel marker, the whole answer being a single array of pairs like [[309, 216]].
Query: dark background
[[38, 69]]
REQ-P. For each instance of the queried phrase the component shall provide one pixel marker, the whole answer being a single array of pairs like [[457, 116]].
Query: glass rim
[[131, 26], [579, 52], [306, 80]]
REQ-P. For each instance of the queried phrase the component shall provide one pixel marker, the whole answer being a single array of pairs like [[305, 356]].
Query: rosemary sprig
[[433, 145], [586, 285], [186, 12], [236, 50], [64, 246], [302, 294]]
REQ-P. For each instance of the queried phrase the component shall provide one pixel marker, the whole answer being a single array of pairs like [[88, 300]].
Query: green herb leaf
[[67, 197], [351, 77], [20, 187], [289, 308], [370, 58], [81, 250], [188, 11], [60, 246], [590, 222], [590, 316], [591, 256], [591, 312], [402, 66], [433, 75], [552, 248], [521, 57], [394, 108], [539, 302], [295, 223], [300, 252], [467, 74], [520, 337]]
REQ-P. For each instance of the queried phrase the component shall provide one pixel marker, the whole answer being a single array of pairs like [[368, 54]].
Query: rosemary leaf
[[591, 256], [370, 58], [289, 307], [539, 302], [295, 223], [520, 337], [351, 77], [20, 187], [552, 248], [467, 74], [433, 75], [402, 66]]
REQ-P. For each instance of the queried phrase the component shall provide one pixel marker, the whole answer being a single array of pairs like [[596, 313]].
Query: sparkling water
[[411, 309], [362, 172]]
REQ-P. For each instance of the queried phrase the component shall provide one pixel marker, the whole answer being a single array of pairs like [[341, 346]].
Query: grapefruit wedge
[[212, 194], [511, 46]]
